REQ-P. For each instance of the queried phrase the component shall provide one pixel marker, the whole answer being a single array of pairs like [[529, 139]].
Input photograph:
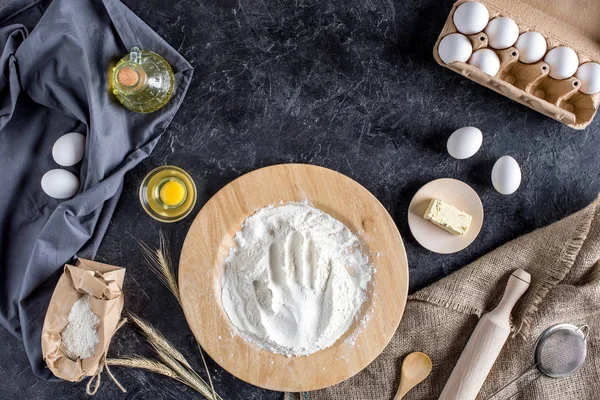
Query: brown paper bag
[[104, 284]]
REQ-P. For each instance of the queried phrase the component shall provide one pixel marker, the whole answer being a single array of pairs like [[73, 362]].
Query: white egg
[[532, 46], [563, 62], [455, 47], [471, 17], [68, 149], [486, 60], [506, 175], [589, 75], [502, 33], [464, 142], [60, 183]]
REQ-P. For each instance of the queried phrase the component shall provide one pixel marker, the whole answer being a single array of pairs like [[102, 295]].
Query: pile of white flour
[[295, 280], [80, 336]]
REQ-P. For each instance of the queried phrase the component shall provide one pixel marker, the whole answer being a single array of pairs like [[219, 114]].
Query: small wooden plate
[[451, 191], [211, 236]]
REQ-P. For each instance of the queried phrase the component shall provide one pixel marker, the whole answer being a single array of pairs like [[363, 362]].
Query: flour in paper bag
[[80, 336]]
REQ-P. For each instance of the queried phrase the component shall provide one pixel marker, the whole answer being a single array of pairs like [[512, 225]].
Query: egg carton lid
[[573, 23]]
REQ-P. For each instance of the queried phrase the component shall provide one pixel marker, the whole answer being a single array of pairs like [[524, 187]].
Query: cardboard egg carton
[[571, 23]]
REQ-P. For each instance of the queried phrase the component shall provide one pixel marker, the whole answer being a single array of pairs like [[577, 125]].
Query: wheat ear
[[144, 363], [173, 359], [161, 264], [180, 374], [157, 340], [187, 375]]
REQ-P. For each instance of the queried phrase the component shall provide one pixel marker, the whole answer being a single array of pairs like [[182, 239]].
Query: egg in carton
[[544, 75]]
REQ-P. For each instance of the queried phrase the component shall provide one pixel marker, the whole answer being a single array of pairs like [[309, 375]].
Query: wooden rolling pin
[[485, 343]]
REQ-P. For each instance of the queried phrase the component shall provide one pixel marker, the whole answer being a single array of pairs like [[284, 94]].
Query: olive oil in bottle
[[142, 81]]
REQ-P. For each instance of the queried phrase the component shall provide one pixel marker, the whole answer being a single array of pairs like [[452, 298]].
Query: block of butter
[[448, 217]]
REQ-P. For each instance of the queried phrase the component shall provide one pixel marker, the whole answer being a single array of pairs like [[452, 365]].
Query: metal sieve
[[559, 352]]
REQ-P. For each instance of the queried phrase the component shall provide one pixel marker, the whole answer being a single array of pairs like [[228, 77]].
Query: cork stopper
[[127, 76]]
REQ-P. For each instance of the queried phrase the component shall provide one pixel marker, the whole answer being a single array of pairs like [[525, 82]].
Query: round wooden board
[[211, 236], [451, 191]]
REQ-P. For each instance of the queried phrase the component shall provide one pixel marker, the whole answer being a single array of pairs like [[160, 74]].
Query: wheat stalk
[[188, 375], [161, 263], [157, 340], [175, 371], [174, 359], [215, 395]]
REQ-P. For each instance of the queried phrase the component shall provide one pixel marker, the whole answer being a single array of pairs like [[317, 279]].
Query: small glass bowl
[[150, 198]]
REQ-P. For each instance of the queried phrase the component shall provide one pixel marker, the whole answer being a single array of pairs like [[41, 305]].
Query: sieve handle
[[485, 343], [518, 378]]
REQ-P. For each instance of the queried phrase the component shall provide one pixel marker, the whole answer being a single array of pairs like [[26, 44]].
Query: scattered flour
[[295, 280], [80, 336], [351, 339]]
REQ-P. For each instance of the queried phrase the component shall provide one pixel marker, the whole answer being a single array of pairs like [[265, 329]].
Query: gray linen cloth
[[55, 60]]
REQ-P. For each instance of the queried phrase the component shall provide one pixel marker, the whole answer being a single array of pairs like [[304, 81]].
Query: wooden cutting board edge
[[260, 367]]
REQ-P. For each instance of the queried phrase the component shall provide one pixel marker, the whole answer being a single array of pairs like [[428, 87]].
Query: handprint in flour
[[296, 305]]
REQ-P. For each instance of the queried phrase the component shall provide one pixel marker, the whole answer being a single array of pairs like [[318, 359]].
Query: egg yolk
[[172, 193]]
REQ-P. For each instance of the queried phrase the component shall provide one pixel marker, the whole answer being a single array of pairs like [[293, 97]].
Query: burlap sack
[[563, 260], [104, 284]]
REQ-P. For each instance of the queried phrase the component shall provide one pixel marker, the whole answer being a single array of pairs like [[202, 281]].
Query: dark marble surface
[[350, 85]]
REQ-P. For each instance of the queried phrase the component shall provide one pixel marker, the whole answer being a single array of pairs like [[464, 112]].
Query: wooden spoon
[[415, 368]]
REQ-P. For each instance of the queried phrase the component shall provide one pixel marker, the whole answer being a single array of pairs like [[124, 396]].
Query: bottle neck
[[130, 78]]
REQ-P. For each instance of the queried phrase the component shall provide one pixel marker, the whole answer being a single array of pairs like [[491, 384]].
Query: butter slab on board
[[450, 191], [448, 217]]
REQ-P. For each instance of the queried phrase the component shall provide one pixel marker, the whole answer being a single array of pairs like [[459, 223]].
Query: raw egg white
[[68, 149], [506, 175], [563, 62], [532, 46], [471, 17], [486, 60], [589, 75], [60, 184], [464, 142], [502, 33], [455, 47]]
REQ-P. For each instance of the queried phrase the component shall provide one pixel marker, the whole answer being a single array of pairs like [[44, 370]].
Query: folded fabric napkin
[[564, 262], [55, 59]]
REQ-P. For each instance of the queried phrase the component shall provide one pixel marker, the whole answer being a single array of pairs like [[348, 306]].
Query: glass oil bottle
[[142, 81]]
